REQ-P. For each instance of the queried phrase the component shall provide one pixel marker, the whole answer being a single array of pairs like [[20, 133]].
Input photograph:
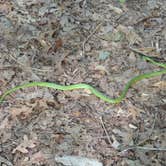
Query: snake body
[[93, 90]]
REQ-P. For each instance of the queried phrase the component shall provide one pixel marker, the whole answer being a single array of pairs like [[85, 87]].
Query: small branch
[[107, 135], [144, 148]]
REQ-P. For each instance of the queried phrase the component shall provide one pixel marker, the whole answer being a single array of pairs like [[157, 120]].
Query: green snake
[[93, 90]]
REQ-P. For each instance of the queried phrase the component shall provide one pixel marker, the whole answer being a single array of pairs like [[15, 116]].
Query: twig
[[86, 40], [153, 124], [143, 148], [145, 55], [137, 51], [84, 6], [144, 19], [107, 135]]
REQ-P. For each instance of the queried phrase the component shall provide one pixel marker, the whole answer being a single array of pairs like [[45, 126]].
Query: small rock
[[77, 161]]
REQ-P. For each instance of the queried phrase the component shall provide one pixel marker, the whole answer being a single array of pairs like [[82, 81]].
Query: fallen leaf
[[5, 126], [131, 36], [38, 157], [102, 69], [134, 111], [5, 8], [58, 44], [23, 112], [116, 9], [160, 84], [59, 138], [22, 147]]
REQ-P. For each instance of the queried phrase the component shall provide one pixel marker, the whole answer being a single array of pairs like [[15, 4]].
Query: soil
[[69, 42]]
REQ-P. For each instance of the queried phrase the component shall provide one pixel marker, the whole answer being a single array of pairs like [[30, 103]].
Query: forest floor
[[69, 42]]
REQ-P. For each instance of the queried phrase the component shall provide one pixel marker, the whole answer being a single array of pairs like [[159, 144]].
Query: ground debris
[[70, 42]]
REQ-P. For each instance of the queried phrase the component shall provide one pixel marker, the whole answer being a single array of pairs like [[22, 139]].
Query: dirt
[[69, 42]]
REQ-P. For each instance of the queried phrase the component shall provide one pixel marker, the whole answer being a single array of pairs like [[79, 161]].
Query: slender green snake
[[93, 90]]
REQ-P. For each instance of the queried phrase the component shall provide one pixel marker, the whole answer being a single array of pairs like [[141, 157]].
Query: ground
[[69, 42]]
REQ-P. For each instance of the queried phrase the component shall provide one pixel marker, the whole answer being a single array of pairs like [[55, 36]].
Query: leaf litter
[[81, 41]]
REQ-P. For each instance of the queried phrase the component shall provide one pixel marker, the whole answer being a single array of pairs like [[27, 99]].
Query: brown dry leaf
[[23, 111], [134, 111], [5, 125], [73, 94], [40, 104], [58, 44], [102, 69], [58, 138], [24, 145], [5, 8], [38, 158], [131, 36], [160, 84]]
